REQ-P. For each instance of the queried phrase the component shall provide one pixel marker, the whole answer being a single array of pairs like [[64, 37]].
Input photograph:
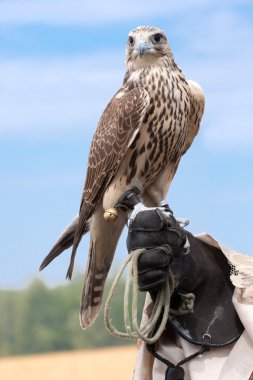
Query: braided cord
[[162, 304]]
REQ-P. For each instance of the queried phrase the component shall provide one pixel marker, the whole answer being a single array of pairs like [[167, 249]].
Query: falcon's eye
[[157, 38], [131, 40]]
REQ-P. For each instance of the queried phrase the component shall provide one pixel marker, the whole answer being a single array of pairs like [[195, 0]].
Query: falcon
[[141, 136]]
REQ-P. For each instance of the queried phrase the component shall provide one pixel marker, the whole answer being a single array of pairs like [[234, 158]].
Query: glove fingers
[[154, 258], [150, 280]]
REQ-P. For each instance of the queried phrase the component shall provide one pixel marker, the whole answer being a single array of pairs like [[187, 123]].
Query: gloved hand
[[156, 230], [153, 267], [152, 228]]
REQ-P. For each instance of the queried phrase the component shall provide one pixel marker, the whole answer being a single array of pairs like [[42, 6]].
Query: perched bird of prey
[[141, 136]]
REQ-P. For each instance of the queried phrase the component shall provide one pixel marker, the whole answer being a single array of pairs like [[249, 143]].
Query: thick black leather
[[153, 267], [174, 373], [152, 228], [163, 239], [205, 272]]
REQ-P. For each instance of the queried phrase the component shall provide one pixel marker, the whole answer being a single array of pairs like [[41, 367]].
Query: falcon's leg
[[104, 237], [147, 200], [157, 192]]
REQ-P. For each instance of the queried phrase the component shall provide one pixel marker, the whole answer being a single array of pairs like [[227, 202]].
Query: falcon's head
[[147, 46]]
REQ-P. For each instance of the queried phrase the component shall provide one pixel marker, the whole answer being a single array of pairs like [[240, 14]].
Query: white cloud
[[41, 95], [229, 99], [68, 12], [222, 62]]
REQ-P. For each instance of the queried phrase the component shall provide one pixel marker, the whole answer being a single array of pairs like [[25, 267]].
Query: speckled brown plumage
[[165, 125], [144, 131]]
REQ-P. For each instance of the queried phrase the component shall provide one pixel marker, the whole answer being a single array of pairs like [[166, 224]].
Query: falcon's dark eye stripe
[[156, 38], [131, 40]]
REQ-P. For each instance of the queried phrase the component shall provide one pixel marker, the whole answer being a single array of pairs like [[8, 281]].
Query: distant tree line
[[41, 319]]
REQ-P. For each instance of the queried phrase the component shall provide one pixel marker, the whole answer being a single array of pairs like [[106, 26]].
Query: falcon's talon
[[183, 222], [164, 204], [128, 199]]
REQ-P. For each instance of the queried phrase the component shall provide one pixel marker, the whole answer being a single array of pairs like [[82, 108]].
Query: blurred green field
[[41, 319]]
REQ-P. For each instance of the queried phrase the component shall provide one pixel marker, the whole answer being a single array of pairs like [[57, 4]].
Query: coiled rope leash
[[162, 303]]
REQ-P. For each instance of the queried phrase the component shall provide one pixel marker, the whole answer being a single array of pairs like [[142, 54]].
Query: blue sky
[[60, 63]]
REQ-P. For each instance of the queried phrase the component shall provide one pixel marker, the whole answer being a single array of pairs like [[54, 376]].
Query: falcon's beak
[[141, 47]]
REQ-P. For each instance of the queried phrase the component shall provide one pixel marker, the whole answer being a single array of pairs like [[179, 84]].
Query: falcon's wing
[[64, 241], [197, 110], [116, 130]]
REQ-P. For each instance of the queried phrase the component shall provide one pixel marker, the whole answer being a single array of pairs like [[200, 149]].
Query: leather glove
[[156, 230], [153, 267], [153, 228]]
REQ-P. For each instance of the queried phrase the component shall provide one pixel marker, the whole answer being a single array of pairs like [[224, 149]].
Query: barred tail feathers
[[104, 238]]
